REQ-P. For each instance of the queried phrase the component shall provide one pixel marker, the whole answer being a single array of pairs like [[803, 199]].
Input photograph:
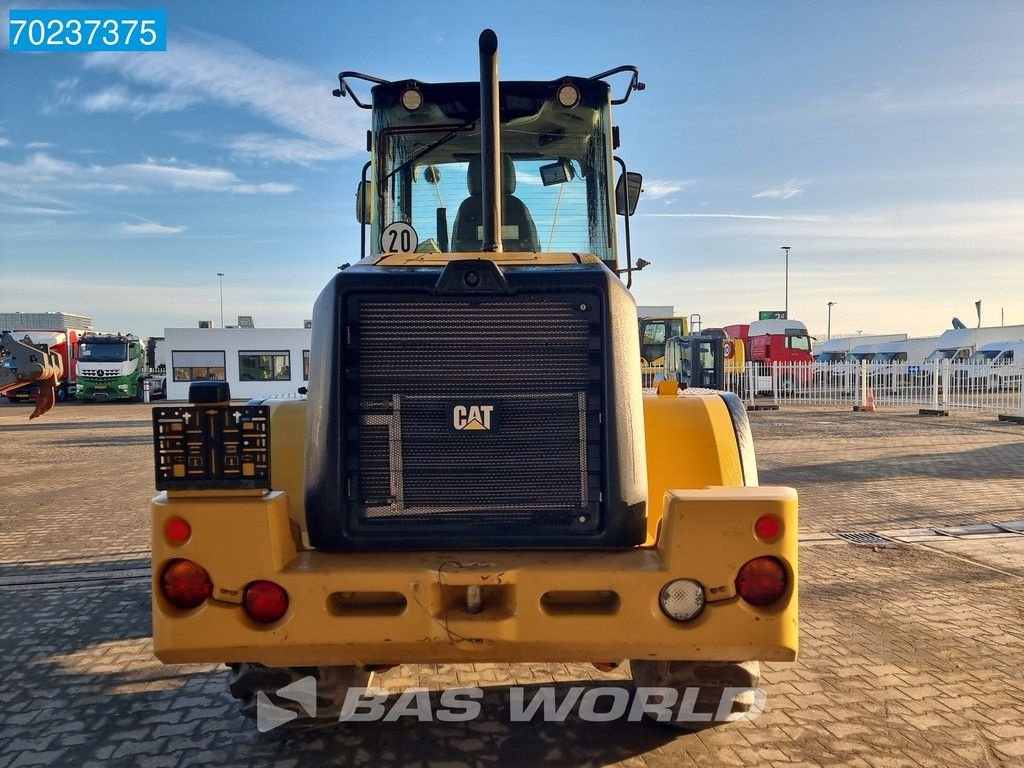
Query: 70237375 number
[[87, 30]]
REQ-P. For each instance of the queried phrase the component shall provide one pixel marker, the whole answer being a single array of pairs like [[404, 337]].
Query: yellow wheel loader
[[475, 474]]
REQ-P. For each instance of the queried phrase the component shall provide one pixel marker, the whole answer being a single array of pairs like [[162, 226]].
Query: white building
[[50, 321], [256, 362]]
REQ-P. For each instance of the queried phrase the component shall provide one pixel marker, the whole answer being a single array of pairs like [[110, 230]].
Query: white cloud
[[307, 152], [41, 172], [4, 142], [118, 99], [148, 227], [791, 188], [657, 188], [217, 71], [40, 145]]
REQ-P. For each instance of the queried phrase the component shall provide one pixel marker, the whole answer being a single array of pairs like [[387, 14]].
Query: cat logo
[[472, 417]]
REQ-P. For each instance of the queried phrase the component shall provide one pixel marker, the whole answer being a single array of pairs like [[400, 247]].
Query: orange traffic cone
[[869, 402]]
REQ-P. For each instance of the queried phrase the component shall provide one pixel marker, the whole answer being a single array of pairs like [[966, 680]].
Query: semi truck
[[62, 341], [476, 474], [111, 366], [780, 350]]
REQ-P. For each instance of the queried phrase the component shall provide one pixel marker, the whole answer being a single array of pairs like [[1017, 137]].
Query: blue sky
[[882, 141]]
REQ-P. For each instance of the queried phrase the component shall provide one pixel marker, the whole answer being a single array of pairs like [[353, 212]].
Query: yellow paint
[[409, 607], [690, 444]]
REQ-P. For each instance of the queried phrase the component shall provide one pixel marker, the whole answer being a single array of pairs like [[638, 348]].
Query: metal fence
[[944, 387]]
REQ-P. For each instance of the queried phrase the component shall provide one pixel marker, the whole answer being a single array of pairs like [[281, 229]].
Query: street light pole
[[830, 305], [786, 249], [220, 276]]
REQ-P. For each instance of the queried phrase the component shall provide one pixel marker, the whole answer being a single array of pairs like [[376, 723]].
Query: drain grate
[[865, 539]]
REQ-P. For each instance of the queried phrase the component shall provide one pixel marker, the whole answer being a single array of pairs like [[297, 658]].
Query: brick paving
[[911, 655]]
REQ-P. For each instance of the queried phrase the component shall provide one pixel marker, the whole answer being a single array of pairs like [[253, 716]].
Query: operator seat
[[469, 219]]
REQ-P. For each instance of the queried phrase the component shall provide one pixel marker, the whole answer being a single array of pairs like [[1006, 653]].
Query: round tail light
[[185, 584], [767, 527], [682, 599], [761, 581], [177, 531], [265, 601]]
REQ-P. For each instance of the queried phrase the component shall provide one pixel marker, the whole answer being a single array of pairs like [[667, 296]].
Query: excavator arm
[[22, 362]]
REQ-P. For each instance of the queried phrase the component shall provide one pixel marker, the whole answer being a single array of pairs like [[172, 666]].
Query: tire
[[62, 394], [711, 678], [246, 681]]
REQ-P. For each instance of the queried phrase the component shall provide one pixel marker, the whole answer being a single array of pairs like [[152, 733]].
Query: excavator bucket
[[22, 362]]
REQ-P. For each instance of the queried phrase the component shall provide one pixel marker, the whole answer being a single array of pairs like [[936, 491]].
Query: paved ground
[[912, 649]]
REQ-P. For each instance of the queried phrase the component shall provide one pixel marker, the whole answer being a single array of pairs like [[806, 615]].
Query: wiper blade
[[430, 147]]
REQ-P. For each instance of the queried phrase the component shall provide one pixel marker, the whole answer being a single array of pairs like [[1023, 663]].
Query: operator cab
[[556, 186]]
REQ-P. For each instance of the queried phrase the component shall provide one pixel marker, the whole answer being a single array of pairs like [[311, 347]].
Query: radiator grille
[[424, 364]]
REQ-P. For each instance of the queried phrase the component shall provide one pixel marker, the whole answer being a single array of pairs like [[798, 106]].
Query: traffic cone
[[869, 402]]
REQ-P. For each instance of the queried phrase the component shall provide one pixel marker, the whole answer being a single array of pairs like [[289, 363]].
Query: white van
[[896, 361], [996, 366]]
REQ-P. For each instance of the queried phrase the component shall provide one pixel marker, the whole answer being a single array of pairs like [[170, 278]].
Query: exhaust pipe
[[490, 142]]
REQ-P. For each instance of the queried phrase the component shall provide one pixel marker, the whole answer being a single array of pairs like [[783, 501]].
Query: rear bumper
[[409, 607]]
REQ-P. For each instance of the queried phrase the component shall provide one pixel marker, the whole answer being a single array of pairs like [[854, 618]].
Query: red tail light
[[265, 601], [767, 527], [177, 531], [761, 581], [186, 584]]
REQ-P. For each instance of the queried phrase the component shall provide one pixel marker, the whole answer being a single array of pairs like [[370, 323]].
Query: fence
[[943, 387]]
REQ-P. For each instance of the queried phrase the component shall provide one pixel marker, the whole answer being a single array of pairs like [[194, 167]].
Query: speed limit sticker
[[727, 350], [398, 237]]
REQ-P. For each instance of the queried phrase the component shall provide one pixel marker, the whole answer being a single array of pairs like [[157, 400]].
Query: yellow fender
[[695, 439]]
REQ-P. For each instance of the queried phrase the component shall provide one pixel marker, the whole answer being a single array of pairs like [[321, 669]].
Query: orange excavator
[[22, 362]]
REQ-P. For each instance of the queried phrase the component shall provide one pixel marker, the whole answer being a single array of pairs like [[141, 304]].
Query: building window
[[305, 365], [198, 366], [264, 366]]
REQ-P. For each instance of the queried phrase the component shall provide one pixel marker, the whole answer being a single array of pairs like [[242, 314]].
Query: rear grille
[[523, 375]]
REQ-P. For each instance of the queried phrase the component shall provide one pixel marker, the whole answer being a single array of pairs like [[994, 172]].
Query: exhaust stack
[[490, 142]]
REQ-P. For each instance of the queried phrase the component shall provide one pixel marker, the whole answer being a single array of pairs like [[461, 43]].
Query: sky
[[883, 142]]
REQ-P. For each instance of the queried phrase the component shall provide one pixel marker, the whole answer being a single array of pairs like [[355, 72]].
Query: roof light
[[412, 99], [568, 95]]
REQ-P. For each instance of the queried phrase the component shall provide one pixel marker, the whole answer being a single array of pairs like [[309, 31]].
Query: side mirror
[[627, 192], [364, 214]]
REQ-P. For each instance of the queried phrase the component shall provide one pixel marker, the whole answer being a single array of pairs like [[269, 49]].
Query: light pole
[[220, 276], [786, 249], [830, 305]]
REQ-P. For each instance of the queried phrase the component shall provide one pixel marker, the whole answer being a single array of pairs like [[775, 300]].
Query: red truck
[[62, 341], [782, 346]]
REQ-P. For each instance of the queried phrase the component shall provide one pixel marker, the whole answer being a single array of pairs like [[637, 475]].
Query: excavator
[[22, 362]]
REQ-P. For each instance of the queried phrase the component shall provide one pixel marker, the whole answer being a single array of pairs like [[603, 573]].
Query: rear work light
[[761, 581], [265, 601], [185, 584]]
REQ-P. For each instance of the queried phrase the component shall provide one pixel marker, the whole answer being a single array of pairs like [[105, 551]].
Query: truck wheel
[[246, 681], [62, 394], [710, 678]]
